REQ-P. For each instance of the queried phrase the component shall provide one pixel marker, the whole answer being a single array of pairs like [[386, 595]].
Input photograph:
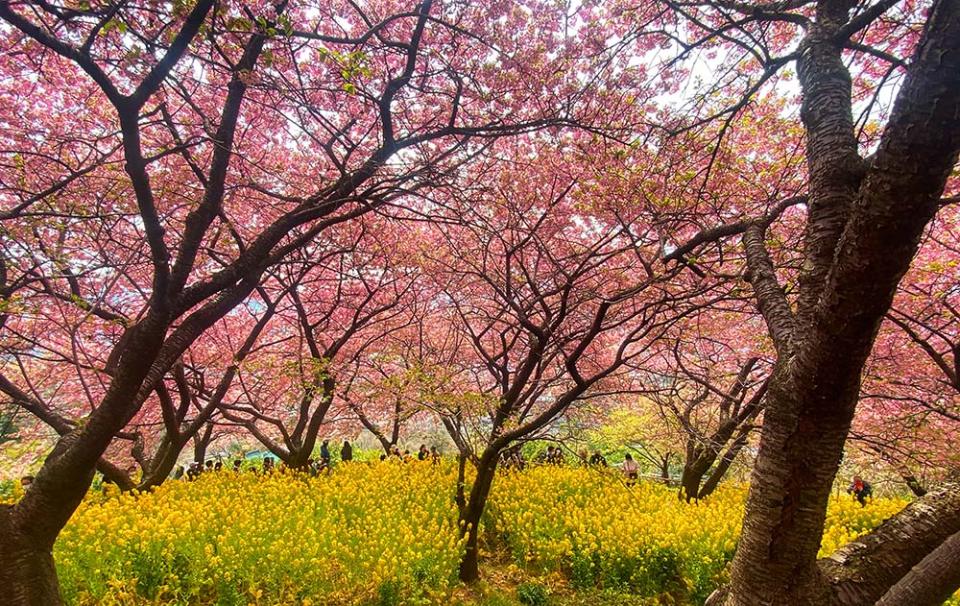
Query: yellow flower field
[[366, 534], [386, 533], [643, 539]]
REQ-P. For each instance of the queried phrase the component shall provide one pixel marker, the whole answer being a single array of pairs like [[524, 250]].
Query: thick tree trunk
[[27, 573], [30, 527], [932, 581], [807, 418], [470, 518], [814, 389], [913, 553], [862, 571], [776, 556]]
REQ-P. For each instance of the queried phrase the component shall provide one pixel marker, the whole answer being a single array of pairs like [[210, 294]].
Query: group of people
[[314, 466], [323, 463], [512, 458], [423, 454], [197, 468]]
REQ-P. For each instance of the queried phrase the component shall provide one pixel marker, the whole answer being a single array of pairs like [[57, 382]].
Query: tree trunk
[[815, 386], [790, 486], [862, 571], [913, 553], [460, 497], [721, 468], [299, 457], [200, 443], [470, 518], [689, 483], [27, 572], [693, 471], [116, 475], [162, 464], [932, 581]]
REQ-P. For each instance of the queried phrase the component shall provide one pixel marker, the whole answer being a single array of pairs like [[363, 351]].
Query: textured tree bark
[[862, 235], [913, 553], [775, 559], [809, 406], [932, 581], [27, 572], [862, 571], [470, 518]]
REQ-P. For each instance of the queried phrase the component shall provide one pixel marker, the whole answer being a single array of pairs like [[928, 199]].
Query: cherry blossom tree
[[868, 201], [552, 300], [714, 388], [392, 384], [159, 160], [340, 310]]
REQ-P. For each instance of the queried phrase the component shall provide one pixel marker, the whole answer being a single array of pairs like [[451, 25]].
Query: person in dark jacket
[[325, 454], [860, 489], [346, 452]]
